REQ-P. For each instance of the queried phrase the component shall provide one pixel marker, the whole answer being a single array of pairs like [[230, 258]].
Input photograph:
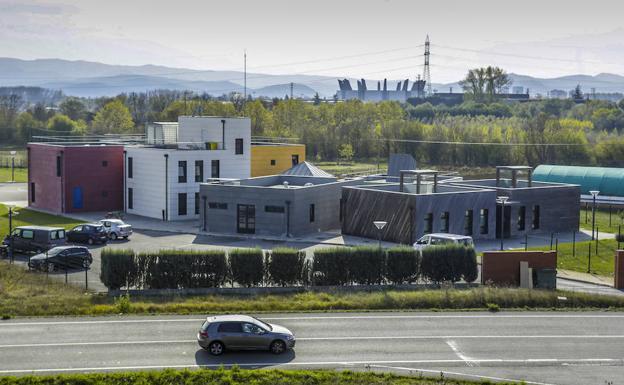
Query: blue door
[[77, 198]]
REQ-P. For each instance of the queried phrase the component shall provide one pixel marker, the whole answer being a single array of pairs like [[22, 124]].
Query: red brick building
[[75, 177]]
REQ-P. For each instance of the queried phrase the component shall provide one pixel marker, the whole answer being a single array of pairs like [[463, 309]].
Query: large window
[[199, 171], [239, 146], [444, 222], [182, 204], [58, 166], [274, 209], [428, 223], [468, 222], [182, 171], [484, 227], [217, 205], [215, 169], [521, 218], [130, 167], [246, 219], [536, 217], [196, 203], [312, 213], [130, 198]]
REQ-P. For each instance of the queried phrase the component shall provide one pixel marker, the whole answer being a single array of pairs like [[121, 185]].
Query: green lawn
[[30, 217], [601, 263], [343, 168], [21, 174], [602, 219]]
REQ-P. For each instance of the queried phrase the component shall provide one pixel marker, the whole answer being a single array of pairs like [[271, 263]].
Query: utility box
[[546, 278]]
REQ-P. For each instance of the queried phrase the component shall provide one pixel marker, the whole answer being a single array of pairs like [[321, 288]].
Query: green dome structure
[[609, 181]]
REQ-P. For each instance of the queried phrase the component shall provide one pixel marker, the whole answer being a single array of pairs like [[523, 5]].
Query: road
[[540, 348]]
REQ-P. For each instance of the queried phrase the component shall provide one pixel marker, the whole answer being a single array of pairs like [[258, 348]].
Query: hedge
[[331, 266], [118, 269], [285, 266], [450, 262], [247, 266], [402, 265]]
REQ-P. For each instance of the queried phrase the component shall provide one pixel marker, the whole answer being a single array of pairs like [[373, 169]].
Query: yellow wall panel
[[263, 155]]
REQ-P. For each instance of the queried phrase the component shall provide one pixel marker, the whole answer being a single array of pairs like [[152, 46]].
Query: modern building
[[402, 92], [68, 177], [274, 158]]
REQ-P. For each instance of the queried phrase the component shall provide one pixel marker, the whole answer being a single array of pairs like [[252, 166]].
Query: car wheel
[[90, 241], [278, 347], [216, 348], [113, 236]]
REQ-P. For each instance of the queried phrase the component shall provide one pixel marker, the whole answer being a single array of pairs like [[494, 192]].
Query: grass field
[[602, 220], [21, 175], [30, 217], [601, 263]]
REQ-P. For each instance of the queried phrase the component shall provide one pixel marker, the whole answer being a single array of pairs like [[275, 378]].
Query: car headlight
[[290, 337]]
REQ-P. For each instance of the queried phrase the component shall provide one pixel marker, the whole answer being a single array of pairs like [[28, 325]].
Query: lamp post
[[502, 199], [594, 194], [380, 225], [13, 166], [11, 240]]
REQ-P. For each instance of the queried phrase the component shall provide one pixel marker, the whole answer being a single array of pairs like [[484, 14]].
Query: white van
[[442, 239]]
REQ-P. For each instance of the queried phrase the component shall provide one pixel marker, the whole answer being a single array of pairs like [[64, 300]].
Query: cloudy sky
[[372, 38]]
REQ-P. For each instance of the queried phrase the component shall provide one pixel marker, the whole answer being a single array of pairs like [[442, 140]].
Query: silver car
[[241, 332], [116, 228]]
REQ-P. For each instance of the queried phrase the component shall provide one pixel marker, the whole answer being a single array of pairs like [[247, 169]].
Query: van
[[437, 239], [36, 238]]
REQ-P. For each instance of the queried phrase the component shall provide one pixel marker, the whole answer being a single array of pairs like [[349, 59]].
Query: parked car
[[116, 228], [35, 238], [442, 239], [240, 332], [88, 233], [62, 258]]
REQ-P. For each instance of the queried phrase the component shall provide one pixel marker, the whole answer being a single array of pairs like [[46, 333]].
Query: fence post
[[596, 240], [619, 235], [526, 242], [86, 278], [551, 240], [609, 215], [66, 275], [573, 244], [586, 212], [557, 245], [589, 258]]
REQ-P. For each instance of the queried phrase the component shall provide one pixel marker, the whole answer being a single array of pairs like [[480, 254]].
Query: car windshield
[[264, 324]]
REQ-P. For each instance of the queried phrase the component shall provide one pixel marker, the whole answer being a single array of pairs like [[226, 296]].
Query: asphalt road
[[540, 348]]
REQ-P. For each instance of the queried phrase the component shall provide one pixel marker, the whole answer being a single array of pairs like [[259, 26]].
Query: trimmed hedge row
[[173, 269]]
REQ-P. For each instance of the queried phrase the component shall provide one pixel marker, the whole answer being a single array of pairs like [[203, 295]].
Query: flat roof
[[514, 168]]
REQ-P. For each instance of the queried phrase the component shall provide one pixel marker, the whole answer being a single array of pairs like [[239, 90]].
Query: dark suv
[[62, 258], [88, 233]]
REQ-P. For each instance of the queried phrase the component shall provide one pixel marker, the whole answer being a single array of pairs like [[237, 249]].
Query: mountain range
[[92, 79]]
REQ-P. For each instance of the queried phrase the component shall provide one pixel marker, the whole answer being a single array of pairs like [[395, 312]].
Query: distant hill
[[279, 90]]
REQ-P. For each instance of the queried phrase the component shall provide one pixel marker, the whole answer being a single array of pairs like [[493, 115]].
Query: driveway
[[14, 194]]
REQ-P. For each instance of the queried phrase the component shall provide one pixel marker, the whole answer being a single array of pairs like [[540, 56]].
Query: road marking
[[303, 318], [338, 338], [603, 361], [455, 348]]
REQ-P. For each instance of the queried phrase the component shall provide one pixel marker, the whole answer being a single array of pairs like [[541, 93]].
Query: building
[[402, 92], [75, 177], [274, 158], [303, 200], [163, 176]]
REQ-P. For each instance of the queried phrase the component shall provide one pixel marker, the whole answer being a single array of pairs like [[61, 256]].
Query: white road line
[[300, 339], [455, 348], [314, 318], [604, 361]]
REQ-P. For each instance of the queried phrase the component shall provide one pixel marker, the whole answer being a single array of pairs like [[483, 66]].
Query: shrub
[[118, 269], [450, 262], [330, 266], [122, 303], [619, 237], [493, 307], [402, 265], [247, 266], [366, 265], [471, 269], [285, 266]]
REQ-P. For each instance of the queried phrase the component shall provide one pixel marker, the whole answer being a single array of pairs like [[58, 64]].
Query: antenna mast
[[245, 76], [426, 71]]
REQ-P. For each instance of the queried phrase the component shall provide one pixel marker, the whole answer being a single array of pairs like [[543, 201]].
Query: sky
[[372, 38]]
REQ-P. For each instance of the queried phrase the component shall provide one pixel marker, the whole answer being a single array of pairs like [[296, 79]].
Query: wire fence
[[7, 162]]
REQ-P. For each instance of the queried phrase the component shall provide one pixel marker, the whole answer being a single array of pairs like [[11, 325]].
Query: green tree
[[73, 108], [578, 93], [317, 99], [26, 126], [113, 118], [346, 152], [62, 123], [482, 84]]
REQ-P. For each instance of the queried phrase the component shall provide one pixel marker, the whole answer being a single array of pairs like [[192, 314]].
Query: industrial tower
[[426, 71]]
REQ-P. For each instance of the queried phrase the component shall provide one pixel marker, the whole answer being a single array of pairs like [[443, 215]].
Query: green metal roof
[[609, 181]]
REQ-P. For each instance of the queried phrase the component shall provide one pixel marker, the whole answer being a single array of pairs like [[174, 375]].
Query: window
[[199, 171], [58, 234], [215, 169], [483, 221], [428, 223], [58, 166], [182, 204], [182, 171], [536, 217], [230, 327], [130, 167], [521, 218], [32, 192], [294, 159], [444, 225], [311, 213], [468, 222], [217, 205], [104, 163], [196, 203], [272, 162], [239, 146], [274, 209], [130, 198], [252, 329], [28, 234]]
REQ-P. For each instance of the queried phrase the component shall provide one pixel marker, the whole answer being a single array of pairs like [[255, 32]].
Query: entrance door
[[77, 198], [246, 218], [294, 160], [506, 221]]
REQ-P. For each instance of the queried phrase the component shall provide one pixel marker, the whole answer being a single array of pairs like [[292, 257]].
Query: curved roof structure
[[609, 181], [307, 169]]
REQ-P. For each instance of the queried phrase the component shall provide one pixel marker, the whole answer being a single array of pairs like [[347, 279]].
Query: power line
[[511, 144]]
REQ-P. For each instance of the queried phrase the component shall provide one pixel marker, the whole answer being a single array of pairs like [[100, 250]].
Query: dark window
[[272, 162], [294, 159], [32, 192], [246, 219], [130, 167], [182, 171], [217, 205], [196, 203], [521, 218], [536, 217], [104, 163], [311, 213], [444, 222], [274, 209], [28, 234], [230, 327], [428, 223], [58, 166], [468, 222], [130, 198], [199, 171], [182, 204], [215, 169], [483, 221], [239, 146]]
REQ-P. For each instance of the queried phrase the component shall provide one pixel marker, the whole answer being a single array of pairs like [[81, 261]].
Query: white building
[[162, 178]]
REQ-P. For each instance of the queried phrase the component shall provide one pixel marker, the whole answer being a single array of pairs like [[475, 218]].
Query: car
[[62, 258], [90, 233], [116, 228], [35, 238], [241, 332], [442, 239]]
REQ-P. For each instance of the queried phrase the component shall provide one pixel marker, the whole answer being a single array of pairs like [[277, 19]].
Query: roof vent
[[285, 184]]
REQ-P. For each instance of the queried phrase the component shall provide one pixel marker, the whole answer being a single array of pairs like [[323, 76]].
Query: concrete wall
[[202, 129], [263, 154], [42, 172], [502, 268]]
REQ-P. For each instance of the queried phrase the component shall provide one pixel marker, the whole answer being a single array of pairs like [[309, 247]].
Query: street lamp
[[380, 225], [11, 240], [13, 166], [594, 194], [502, 199]]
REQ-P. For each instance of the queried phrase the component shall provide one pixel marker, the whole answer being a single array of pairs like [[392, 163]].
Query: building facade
[[274, 158]]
